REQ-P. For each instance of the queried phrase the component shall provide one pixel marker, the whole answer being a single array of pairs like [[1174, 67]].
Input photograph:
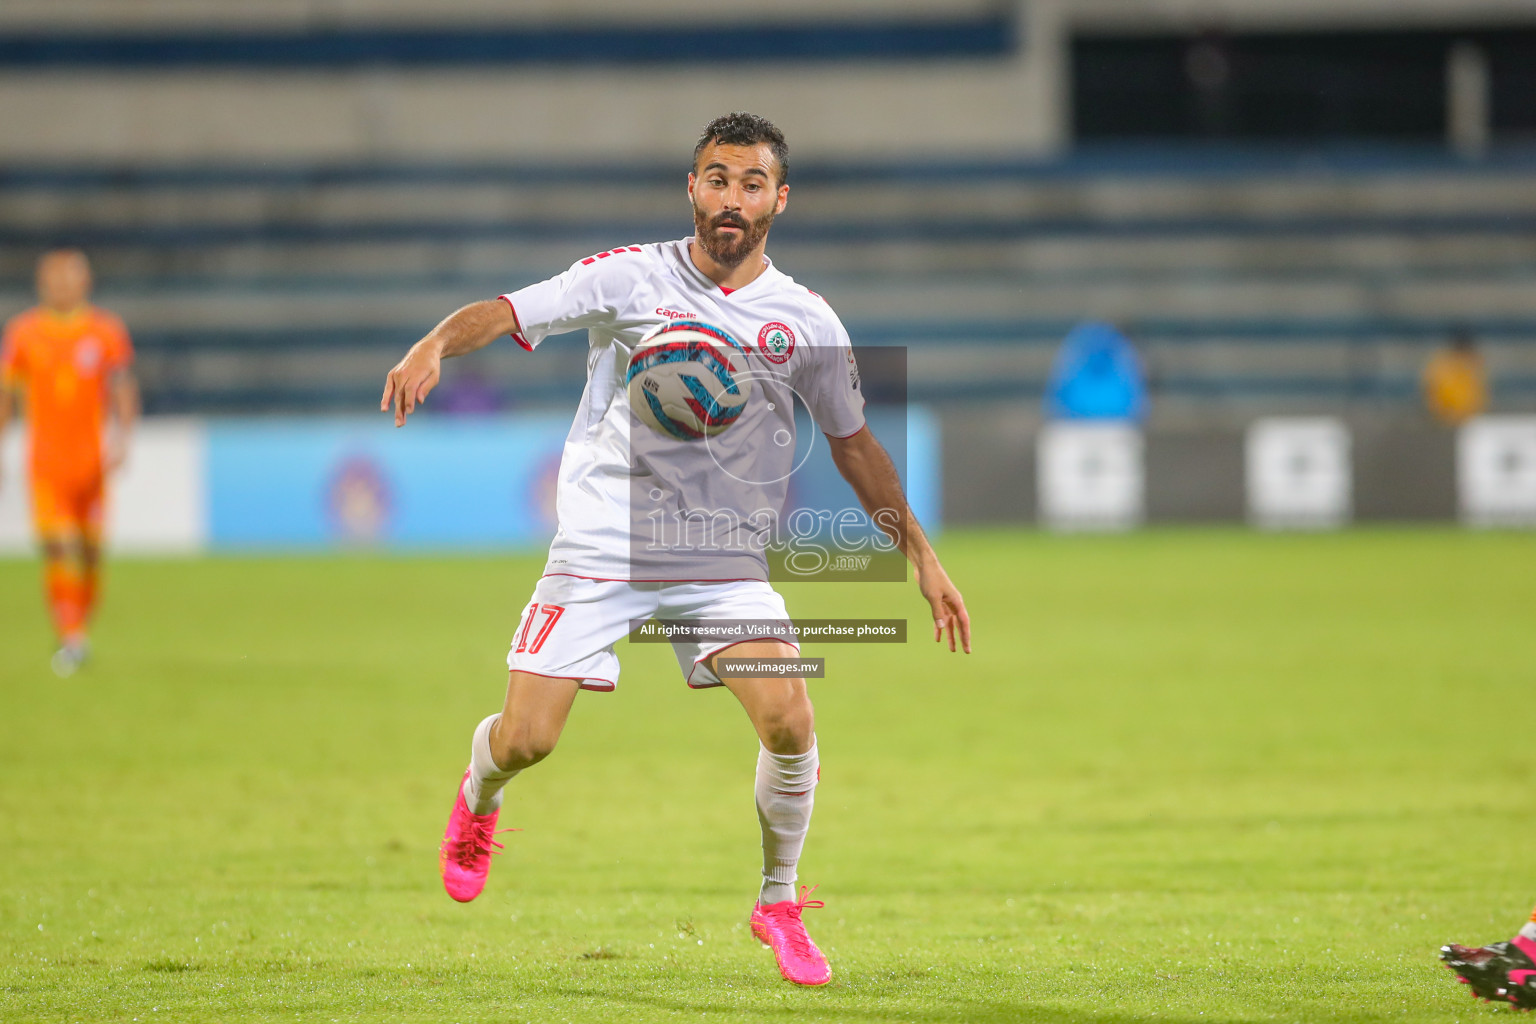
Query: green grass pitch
[[1186, 776]]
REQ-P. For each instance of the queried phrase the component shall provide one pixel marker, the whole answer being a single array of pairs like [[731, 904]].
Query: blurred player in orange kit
[[70, 364]]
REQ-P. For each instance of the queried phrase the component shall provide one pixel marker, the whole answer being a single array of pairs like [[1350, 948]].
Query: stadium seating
[[1245, 277]]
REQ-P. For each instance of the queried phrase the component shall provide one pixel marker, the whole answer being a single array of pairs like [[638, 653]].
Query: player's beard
[[722, 248]]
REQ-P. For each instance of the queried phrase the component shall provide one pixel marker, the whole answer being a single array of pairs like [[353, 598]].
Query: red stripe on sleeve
[[516, 336]]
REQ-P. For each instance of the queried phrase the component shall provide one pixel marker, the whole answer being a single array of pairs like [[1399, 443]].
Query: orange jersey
[[1455, 387], [62, 364]]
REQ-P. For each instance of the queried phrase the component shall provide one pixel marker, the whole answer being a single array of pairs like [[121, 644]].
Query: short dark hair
[[742, 129]]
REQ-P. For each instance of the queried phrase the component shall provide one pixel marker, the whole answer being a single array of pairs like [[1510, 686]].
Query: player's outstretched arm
[[125, 413], [413, 378], [867, 467]]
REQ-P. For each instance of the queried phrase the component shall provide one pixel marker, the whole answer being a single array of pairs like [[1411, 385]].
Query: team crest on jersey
[[88, 355], [776, 341]]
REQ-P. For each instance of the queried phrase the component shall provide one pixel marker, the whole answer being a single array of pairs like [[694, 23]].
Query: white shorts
[[569, 628]]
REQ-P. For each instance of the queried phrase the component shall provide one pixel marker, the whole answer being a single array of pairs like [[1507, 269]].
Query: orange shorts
[[68, 507]]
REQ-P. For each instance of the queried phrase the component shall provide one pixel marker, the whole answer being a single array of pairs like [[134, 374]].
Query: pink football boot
[[465, 856], [778, 926]]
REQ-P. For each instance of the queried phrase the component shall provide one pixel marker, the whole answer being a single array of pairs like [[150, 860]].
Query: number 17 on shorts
[[538, 623]]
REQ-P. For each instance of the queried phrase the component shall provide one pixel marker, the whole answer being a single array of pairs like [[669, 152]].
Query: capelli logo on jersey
[[776, 341], [676, 314]]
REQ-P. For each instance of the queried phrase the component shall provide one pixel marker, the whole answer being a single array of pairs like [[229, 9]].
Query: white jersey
[[622, 490]]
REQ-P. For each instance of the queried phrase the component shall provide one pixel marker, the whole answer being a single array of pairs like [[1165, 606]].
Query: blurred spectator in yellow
[[1455, 383]]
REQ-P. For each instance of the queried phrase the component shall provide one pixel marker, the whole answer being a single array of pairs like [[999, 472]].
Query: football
[[686, 380]]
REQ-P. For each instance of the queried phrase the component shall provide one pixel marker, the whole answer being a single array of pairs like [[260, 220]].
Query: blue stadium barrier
[[344, 399], [292, 484], [909, 434], [361, 400], [296, 484]]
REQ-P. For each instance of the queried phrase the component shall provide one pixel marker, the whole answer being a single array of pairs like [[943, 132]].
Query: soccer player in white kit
[[598, 580]]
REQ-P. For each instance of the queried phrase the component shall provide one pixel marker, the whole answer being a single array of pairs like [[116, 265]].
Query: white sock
[[786, 792], [482, 790], [1528, 930]]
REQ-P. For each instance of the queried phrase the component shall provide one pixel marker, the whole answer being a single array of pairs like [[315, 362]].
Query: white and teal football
[[687, 380]]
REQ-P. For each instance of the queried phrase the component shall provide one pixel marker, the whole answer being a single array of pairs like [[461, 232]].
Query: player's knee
[[523, 753], [522, 747], [790, 729]]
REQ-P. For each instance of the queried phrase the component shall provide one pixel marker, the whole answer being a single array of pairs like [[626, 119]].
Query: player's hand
[[412, 379], [114, 452], [949, 614]]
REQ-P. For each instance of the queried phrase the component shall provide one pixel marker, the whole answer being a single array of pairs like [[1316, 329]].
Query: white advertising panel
[[1496, 471], [15, 505], [1090, 476], [156, 504], [158, 501], [1299, 473]]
